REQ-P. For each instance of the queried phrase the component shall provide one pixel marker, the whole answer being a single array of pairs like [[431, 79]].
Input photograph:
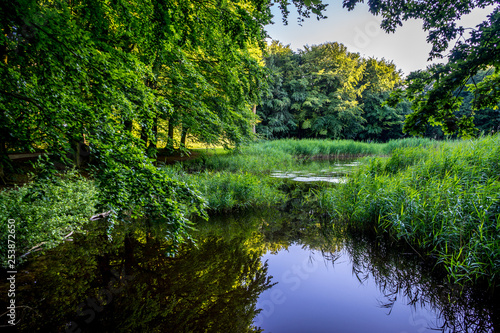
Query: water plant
[[224, 190], [443, 200]]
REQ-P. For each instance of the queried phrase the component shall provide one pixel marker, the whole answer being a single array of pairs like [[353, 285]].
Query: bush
[[45, 212]]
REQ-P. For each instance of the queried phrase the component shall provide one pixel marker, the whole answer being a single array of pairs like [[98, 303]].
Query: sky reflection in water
[[314, 294]]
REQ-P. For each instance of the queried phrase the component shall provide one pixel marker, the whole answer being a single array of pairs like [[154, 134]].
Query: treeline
[[325, 91]]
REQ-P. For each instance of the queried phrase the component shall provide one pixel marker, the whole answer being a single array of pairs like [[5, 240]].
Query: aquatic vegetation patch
[[443, 200], [226, 190]]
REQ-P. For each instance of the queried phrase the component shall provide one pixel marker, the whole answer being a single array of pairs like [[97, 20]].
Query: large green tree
[[326, 91], [436, 93], [277, 120], [103, 75], [383, 122]]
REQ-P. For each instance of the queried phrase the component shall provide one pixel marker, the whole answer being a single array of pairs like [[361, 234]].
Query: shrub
[[45, 212]]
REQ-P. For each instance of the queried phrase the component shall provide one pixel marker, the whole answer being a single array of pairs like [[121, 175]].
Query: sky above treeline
[[360, 32]]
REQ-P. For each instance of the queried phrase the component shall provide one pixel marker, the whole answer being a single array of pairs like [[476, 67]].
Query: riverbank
[[440, 198], [443, 201]]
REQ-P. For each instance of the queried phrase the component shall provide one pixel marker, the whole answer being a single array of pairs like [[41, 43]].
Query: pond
[[319, 171], [269, 271]]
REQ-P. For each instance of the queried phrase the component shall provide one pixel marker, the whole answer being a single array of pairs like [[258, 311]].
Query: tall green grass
[[240, 178], [266, 156], [338, 148], [225, 191], [444, 200]]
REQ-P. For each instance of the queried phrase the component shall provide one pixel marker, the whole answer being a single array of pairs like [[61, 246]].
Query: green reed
[[266, 156], [444, 200], [225, 191]]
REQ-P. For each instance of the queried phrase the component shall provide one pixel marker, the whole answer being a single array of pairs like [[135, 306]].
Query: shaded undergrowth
[[45, 213]]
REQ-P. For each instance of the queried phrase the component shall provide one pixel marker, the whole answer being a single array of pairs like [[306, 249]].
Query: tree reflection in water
[[132, 282], [399, 272]]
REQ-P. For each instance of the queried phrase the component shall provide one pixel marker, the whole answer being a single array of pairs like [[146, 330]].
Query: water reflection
[[319, 171], [363, 284], [326, 281], [400, 274], [132, 284]]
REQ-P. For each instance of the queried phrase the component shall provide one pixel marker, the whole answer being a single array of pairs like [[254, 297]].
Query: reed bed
[[225, 191], [266, 156], [444, 200]]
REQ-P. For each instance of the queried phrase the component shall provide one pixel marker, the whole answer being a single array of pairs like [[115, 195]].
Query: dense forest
[[325, 91], [101, 102], [104, 80], [110, 82]]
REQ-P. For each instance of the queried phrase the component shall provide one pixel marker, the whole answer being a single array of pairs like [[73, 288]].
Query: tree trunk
[[4, 161], [128, 125], [154, 140], [144, 136], [183, 136], [170, 136], [78, 160], [254, 112], [129, 254]]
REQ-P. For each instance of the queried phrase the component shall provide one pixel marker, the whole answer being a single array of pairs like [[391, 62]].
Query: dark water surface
[[303, 276], [315, 294]]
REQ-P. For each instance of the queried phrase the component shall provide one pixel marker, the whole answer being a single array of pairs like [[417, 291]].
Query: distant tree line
[[325, 91]]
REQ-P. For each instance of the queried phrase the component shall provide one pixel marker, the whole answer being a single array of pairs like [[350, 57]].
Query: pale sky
[[360, 32]]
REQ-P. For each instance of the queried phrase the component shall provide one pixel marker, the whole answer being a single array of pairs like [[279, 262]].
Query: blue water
[[314, 294]]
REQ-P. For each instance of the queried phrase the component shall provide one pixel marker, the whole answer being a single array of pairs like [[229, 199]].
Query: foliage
[[325, 91], [126, 284], [45, 212], [433, 92], [226, 191], [122, 192], [442, 200], [95, 78]]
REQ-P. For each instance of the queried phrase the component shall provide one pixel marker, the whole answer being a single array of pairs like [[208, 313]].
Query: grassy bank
[[442, 200], [337, 148], [266, 156], [225, 191]]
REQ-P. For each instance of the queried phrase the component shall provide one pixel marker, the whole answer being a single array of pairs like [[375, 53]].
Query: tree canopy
[[327, 91], [435, 93], [101, 78]]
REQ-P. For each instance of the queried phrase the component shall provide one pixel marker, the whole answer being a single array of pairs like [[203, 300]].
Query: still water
[[315, 293], [270, 271], [319, 171]]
